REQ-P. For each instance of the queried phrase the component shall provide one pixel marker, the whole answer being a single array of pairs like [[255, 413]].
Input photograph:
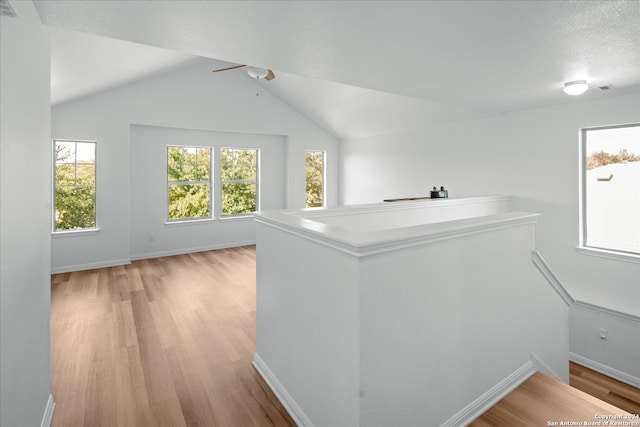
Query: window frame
[[221, 183], [324, 178], [210, 183], [88, 230], [582, 246]]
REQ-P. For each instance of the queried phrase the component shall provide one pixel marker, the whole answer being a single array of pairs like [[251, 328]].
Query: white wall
[[617, 354], [460, 315], [532, 155], [399, 315], [25, 212], [307, 325], [190, 98]]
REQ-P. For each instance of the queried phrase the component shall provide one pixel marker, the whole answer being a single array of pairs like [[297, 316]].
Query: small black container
[[439, 194]]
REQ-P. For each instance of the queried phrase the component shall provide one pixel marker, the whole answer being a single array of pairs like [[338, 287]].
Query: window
[[189, 182], [75, 185], [238, 176], [610, 216], [315, 178]]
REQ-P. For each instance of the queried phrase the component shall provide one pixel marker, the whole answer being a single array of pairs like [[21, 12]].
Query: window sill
[[179, 222], [604, 253], [75, 233], [208, 220], [237, 217]]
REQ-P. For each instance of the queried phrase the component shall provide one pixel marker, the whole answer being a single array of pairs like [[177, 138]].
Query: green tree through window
[[238, 175], [189, 182], [75, 185], [315, 178]]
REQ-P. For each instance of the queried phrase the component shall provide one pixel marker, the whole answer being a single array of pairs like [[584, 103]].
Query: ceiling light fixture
[[257, 73], [576, 87]]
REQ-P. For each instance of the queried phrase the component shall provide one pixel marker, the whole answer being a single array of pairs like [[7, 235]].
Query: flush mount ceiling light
[[576, 87]]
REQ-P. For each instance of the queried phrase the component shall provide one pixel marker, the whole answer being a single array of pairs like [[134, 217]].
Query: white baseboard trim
[[298, 415], [89, 266], [48, 412], [159, 254], [491, 397], [606, 370], [183, 251], [539, 365]]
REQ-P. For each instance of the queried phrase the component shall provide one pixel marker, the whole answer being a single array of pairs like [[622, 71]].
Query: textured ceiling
[[365, 67]]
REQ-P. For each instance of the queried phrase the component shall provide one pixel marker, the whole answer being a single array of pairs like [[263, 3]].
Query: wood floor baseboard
[[491, 397], [171, 341], [281, 393], [48, 412], [544, 400], [160, 342], [605, 370], [610, 390]]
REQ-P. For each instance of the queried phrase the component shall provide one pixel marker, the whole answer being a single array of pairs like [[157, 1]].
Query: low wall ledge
[[362, 244]]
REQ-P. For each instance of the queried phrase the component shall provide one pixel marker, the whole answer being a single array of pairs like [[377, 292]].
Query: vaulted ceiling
[[359, 68]]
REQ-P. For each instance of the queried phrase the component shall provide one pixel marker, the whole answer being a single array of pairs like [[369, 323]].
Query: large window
[[611, 189], [239, 179], [189, 182], [75, 185], [315, 178]]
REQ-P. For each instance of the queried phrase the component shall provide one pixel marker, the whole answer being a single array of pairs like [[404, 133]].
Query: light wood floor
[[169, 342], [542, 401], [605, 388], [160, 342]]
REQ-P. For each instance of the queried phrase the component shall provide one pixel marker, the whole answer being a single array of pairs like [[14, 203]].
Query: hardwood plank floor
[[160, 342], [169, 342], [605, 388], [546, 401]]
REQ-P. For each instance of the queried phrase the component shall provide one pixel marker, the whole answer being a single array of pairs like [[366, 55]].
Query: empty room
[[320, 213]]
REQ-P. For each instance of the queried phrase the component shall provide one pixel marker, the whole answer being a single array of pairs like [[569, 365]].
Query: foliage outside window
[[611, 188], [74, 185], [238, 176], [189, 182], [315, 178]]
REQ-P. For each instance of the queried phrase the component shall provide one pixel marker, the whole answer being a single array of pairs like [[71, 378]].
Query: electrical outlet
[[603, 334]]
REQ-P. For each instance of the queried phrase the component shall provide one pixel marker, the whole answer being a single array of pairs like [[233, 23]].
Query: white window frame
[[238, 181], [90, 230], [582, 246], [210, 183], [324, 178]]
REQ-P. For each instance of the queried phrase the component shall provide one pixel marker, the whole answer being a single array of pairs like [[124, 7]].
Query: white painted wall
[[189, 98], [382, 323], [307, 324], [25, 212], [614, 355], [149, 191], [459, 315], [531, 155]]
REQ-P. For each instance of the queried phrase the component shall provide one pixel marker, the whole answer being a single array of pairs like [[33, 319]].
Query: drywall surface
[[380, 322], [459, 315], [617, 353], [190, 98], [307, 326], [25, 218], [533, 156]]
